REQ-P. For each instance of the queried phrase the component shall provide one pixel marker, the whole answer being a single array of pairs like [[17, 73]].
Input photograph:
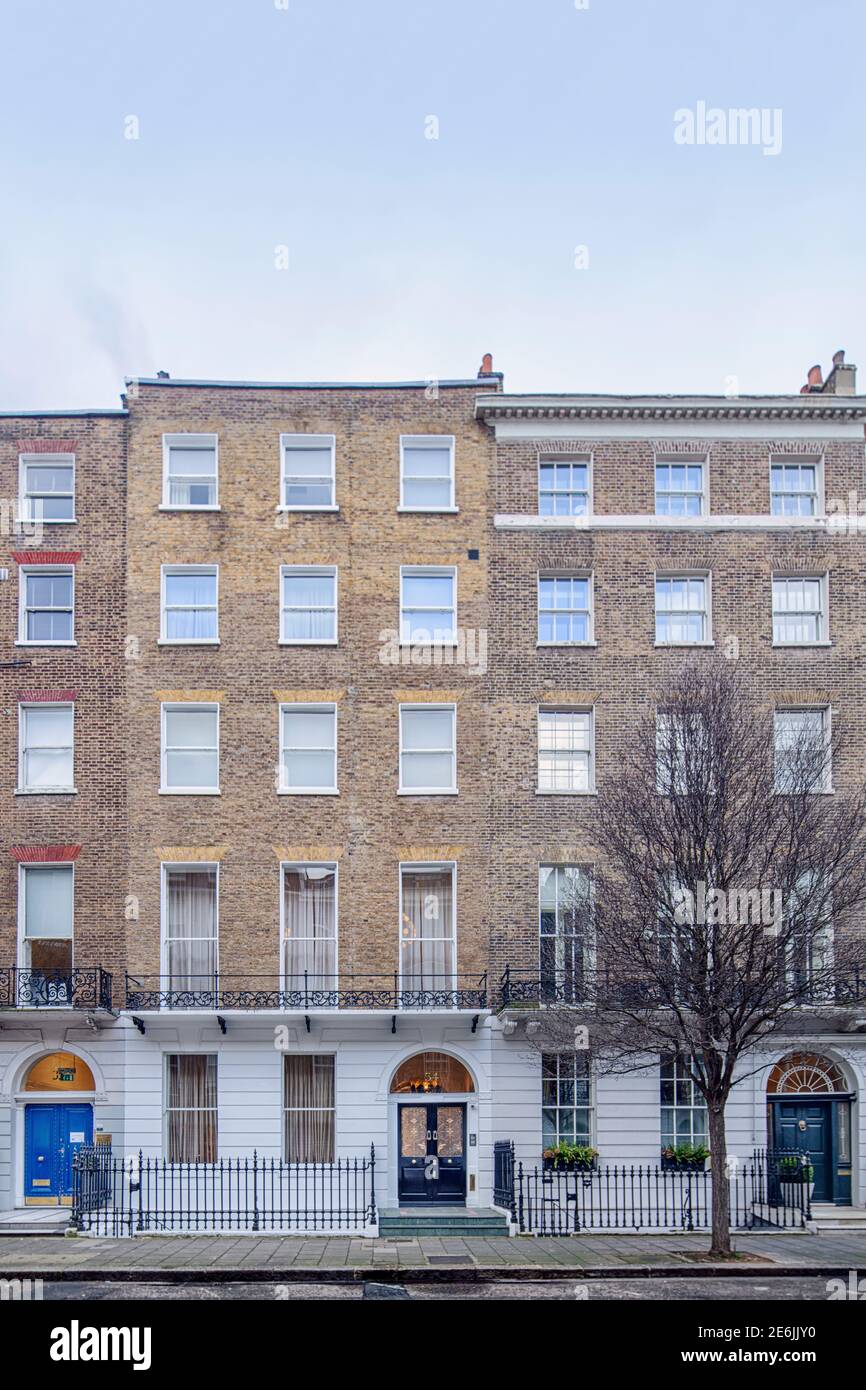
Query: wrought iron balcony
[[526, 988], [303, 993], [82, 987], [520, 989]]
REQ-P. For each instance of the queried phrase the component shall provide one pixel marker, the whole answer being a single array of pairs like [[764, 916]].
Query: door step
[[829, 1218], [35, 1221], [453, 1221]]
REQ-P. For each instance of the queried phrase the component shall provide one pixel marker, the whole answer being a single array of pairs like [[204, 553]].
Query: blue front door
[[52, 1133], [803, 1127]]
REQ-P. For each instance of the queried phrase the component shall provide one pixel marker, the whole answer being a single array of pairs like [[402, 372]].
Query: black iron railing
[[82, 987], [302, 992], [545, 1200], [503, 1176], [528, 988], [112, 1196]]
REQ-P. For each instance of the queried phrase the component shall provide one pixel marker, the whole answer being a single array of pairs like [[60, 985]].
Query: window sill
[[591, 643], [46, 644], [780, 646], [312, 642], [410, 642], [46, 791], [190, 791], [429, 511], [680, 645], [55, 521], [424, 791], [307, 791], [819, 791], [188, 642], [552, 791], [176, 507], [330, 507]]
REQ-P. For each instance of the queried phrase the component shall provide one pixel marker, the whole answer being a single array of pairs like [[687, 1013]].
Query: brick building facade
[[308, 841]]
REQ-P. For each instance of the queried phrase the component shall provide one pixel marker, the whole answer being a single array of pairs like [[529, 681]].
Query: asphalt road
[[565, 1290]]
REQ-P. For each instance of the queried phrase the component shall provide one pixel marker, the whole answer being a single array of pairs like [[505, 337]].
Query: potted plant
[[688, 1158], [570, 1158], [797, 1170]]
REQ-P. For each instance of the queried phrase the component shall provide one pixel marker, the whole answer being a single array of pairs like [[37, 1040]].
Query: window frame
[[552, 460], [183, 866], [68, 866], [420, 866], [195, 706], [797, 461], [587, 965], [701, 1107], [589, 576], [590, 789], [825, 714], [165, 572], [178, 1050], [24, 573], [24, 708], [706, 577], [435, 571], [296, 1110], [63, 460], [180, 440], [823, 579], [308, 706], [333, 572], [557, 1107], [314, 441], [696, 461], [310, 864], [428, 441], [673, 721], [421, 706]]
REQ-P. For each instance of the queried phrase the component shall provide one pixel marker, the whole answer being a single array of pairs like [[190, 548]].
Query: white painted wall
[[506, 1104]]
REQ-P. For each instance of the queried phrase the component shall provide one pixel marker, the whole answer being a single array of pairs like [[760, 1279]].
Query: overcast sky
[[274, 131]]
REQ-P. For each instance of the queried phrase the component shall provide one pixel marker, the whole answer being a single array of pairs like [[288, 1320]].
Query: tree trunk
[[721, 1198]]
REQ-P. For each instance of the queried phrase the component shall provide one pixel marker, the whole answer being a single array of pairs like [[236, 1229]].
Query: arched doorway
[[431, 1128], [57, 1121], [809, 1114]]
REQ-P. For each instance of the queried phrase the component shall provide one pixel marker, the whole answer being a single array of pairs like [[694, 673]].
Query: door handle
[[429, 1135], [435, 1134]]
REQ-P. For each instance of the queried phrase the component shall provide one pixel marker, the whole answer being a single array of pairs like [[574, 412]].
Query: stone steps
[[449, 1222]]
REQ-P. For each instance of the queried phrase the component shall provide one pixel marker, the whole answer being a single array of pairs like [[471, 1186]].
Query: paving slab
[[230, 1257]]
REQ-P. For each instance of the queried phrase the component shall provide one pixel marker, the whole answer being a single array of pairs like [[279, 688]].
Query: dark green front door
[[802, 1126]]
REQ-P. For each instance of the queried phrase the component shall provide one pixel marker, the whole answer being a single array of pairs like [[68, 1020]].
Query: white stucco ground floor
[[324, 1088]]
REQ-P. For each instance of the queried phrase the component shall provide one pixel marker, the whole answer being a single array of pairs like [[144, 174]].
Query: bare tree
[[728, 898]]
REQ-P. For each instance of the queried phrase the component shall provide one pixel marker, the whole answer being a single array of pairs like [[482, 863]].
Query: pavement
[[334, 1259]]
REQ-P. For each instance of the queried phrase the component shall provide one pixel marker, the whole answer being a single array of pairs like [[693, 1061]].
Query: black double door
[[432, 1148]]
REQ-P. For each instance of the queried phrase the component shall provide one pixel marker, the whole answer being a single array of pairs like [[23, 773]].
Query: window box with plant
[[689, 1158], [570, 1158]]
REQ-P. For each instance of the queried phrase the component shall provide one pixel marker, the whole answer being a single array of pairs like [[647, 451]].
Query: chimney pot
[[486, 368], [839, 358]]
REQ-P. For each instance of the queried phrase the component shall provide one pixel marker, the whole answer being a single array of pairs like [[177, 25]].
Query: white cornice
[[495, 407]]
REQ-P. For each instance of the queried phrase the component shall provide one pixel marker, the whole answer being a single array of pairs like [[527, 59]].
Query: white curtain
[[309, 1109], [308, 607], [191, 930], [427, 930], [309, 927], [190, 601], [192, 1108]]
